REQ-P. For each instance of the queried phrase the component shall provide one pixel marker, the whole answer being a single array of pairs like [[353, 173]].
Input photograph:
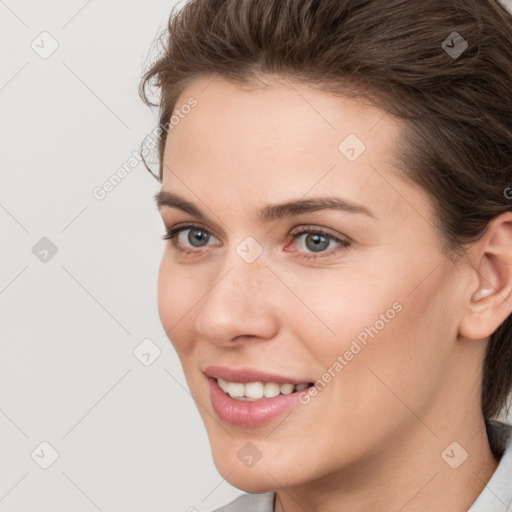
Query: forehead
[[277, 113], [284, 140]]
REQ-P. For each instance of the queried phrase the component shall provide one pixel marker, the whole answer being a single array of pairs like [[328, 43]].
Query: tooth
[[235, 389], [257, 390], [286, 389], [222, 385], [271, 389], [254, 390]]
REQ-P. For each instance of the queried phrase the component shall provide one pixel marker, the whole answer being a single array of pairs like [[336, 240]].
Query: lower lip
[[250, 413]]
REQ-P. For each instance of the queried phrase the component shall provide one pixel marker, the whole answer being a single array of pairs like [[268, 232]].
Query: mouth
[[250, 398], [252, 391]]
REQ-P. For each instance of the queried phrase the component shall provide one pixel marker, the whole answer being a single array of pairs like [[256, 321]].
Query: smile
[[251, 411], [252, 391]]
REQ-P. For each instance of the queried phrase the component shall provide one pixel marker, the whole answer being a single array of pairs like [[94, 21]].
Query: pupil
[[320, 242], [196, 236]]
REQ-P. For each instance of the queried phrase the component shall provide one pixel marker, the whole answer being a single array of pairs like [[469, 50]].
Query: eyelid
[[313, 228], [342, 240], [183, 226], [297, 230]]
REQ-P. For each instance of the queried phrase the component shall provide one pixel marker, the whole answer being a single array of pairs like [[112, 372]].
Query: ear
[[489, 303]]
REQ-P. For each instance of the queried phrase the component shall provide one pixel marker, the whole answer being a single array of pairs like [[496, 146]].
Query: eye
[[190, 238], [320, 242], [197, 237]]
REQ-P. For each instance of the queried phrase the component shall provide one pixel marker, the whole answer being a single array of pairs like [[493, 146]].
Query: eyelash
[[175, 231]]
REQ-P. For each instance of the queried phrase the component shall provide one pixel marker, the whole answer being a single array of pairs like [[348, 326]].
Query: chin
[[248, 480], [264, 476]]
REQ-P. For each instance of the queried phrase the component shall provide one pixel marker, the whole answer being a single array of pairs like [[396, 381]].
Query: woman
[[337, 277]]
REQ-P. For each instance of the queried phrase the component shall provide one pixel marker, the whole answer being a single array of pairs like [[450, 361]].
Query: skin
[[373, 437]]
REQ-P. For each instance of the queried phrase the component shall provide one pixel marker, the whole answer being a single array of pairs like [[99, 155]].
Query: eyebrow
[[269, 212]]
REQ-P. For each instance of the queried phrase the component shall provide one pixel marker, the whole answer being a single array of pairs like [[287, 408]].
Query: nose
[[239, 305]]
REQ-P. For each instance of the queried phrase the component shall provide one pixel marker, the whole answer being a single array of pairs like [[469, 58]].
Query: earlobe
[[489, 304]]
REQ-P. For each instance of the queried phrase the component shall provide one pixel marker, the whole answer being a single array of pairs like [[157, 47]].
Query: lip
[[250, 413], [254, 413], [245, 375]]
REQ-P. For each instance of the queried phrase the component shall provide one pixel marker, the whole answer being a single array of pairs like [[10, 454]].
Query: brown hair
[[457, 109]]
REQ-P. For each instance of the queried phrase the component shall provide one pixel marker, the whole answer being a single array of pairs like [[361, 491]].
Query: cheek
[[338, 307], [401, 360], [385, 293], [177, 296], [392, 322]]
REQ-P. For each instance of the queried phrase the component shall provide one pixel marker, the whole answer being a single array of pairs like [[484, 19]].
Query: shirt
[[495, 497]]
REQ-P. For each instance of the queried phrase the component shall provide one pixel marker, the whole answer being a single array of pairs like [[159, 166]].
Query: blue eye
[[318, 241], [197, 237]]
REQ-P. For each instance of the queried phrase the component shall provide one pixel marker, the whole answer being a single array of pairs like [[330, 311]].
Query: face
[[355, 298]]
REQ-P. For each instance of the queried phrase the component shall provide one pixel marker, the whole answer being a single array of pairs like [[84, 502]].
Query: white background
[[129, 437]]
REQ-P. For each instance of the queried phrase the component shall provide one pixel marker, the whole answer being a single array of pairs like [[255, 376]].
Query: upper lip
[[244, 375]]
